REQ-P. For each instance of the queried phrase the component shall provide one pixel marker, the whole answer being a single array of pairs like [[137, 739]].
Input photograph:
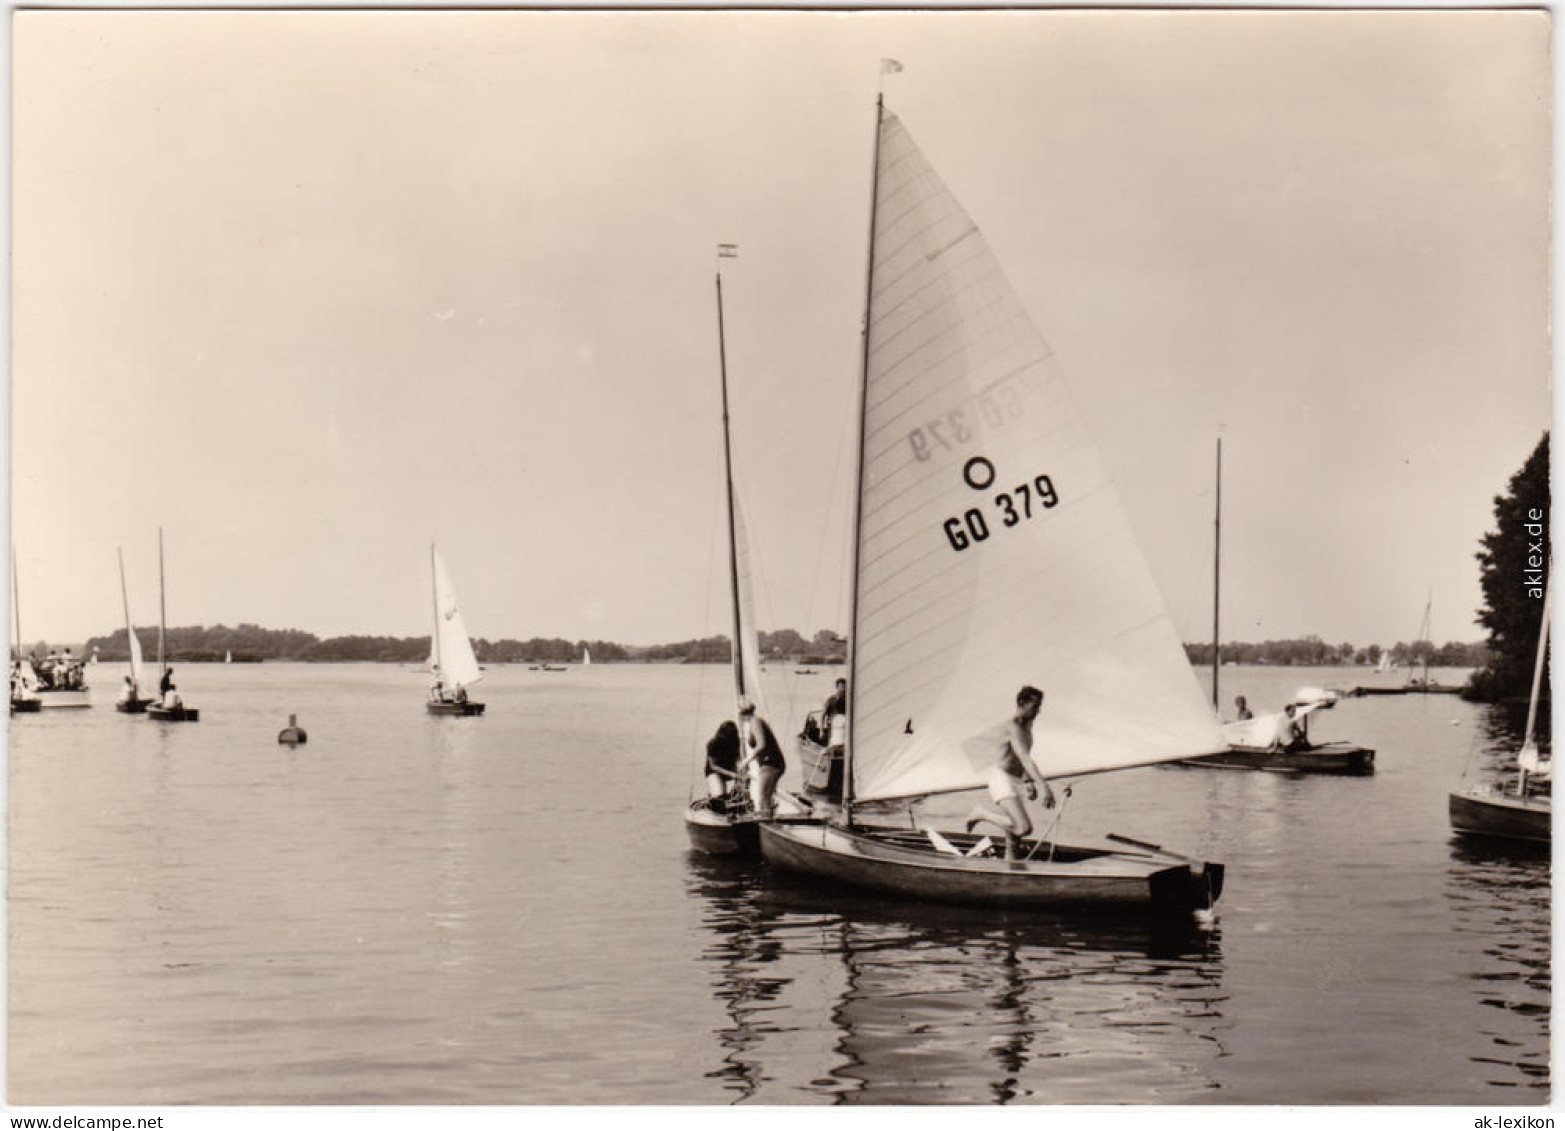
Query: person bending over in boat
[[1291, 735], [1003, 754], [166, 691], [763, 758], [723, 790], [1241, 706]]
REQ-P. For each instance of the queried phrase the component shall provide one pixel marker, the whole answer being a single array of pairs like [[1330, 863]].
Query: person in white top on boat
[[1291, 734], [1003, 754], [763, 759], [1243, 708], [128, 692], [835, 713]]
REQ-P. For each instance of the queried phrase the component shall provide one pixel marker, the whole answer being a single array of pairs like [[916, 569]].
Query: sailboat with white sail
[[131, 701], [451, 658], [170, 707], [1524, 812], [1421, 684], [586, 656], [989, 552], [725, 821], [24, 700], [1277, 741]]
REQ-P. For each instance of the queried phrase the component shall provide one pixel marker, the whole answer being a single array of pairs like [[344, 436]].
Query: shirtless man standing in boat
[[1003, 754]]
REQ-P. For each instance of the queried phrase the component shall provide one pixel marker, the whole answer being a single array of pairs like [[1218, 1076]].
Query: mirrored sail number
[[1009, 508], [991, 408]]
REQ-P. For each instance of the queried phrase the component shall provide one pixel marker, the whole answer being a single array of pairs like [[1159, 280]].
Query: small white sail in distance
[[992, 551], [137, 674], [586, 655], [451, 651]]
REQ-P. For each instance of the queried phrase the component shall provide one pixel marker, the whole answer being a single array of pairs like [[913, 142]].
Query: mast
[[162, 614], [728, 481], [434, 625], [125, 600], [1537, 682], [1217, 570], [858, 496], [1429, 604], [16, 604]]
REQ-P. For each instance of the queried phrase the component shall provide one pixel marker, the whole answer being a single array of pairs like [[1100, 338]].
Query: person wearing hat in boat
[[723, 788], [1003, 754], [166, 689], [763, 757]]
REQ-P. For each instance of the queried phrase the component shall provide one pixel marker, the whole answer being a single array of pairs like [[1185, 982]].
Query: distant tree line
[[1312, 650], [251, 643]]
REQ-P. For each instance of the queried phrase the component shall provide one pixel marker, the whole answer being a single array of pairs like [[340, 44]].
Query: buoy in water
[[292, 734]]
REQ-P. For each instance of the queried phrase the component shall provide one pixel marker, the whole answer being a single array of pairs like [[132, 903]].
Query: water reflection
[[931, 1004], [1499, 894]]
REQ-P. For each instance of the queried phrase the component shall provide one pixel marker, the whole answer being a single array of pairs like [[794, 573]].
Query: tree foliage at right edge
[[1513, 607]]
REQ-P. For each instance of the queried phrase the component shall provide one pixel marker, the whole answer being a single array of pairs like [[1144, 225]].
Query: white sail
[[451, 652], [992, 551], [748, 660], [586, 655], [137, 675]]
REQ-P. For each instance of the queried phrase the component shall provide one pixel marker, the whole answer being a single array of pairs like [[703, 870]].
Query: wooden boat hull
[[57, 700], [1503, 817], [1342, 758], [132, 706], [25, 706], [468, 708], [1410, 689], [892, 861], [180, 714], [722, 834]]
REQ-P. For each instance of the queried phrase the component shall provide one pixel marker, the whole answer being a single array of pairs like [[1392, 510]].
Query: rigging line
[[845, 432]]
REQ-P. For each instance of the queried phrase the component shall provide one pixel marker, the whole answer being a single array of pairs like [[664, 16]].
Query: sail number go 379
[[1013, 507]]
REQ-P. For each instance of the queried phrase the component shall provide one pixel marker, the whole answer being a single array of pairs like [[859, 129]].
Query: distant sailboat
[[728, 825], [131, 701], [586, 656], [228, 657], [24, 700], [169, 707], [1527, 812], [989, 552], [1421, 684], [1252, 743], [451, 658]]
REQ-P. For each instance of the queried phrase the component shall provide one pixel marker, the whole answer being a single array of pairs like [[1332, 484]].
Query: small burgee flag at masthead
[[889, 66], [728, 251]]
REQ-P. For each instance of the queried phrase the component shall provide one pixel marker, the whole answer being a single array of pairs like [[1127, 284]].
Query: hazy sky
[[311, 290]]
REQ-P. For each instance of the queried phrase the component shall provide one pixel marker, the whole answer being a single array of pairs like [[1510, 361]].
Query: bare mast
[[728, 487], [125, 600], [1217, 571]]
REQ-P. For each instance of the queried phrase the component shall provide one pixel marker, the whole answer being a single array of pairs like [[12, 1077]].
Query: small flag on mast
[[889, 66], [728, 251]]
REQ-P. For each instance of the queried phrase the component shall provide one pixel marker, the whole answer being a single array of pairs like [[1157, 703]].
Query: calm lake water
[[504, 910]]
